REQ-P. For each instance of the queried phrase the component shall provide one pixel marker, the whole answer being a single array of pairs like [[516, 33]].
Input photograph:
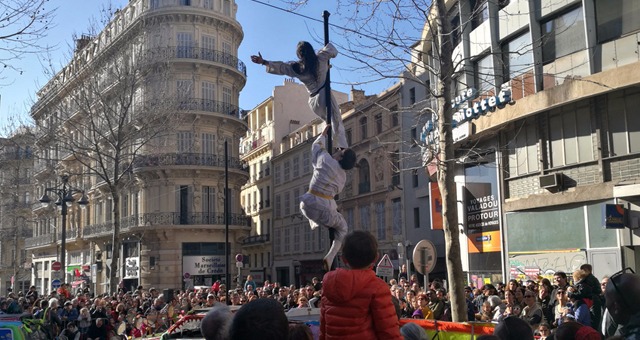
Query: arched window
[[363, 127], [364, 177]]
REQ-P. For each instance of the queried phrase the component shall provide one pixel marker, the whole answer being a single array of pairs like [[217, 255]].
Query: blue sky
[[270, 31]]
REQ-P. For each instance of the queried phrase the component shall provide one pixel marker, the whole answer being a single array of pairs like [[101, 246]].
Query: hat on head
[[68, 303]]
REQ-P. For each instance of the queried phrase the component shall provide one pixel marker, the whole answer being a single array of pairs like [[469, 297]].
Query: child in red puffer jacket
[[356, 304]]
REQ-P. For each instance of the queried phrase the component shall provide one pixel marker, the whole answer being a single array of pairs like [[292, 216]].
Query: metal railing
[[167, 218], [208, 105], [189, 52], [37, 241], [197, 159], [255, 239]]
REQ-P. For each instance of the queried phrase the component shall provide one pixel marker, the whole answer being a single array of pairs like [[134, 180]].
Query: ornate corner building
[[141, 120]]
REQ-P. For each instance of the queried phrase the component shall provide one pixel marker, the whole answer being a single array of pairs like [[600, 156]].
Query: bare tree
[[16, 189], [22, 24], [116, 108]]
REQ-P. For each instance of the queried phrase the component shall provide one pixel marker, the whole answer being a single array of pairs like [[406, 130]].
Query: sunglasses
[[613, 278]]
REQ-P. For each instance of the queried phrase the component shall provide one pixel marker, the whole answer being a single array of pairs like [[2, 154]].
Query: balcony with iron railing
[[198, 53], [165, 219], [208, 105], [187, 159], [39, 241], [256, 239]]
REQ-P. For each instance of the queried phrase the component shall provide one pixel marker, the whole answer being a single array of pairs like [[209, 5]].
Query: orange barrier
[[451, 330]]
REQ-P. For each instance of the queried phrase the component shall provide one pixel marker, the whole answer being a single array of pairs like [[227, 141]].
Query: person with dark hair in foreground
[[622, 297], [215, 324], [261, 319], [356, 304], [513, 328]]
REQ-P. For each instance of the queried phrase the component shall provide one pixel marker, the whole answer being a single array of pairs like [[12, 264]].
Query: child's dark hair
[[348, 160], [360, 249]]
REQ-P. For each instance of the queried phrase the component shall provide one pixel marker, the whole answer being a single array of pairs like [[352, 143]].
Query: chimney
[[357, 96], [82, 42]]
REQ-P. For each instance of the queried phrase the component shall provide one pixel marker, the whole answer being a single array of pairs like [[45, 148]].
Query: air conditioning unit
[[551, 181]]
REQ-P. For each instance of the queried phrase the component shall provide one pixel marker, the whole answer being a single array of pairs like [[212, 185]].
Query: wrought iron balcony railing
[[256, 239], [208, 105], [38, 241], [197, 159], [168, 218], [207, 54]]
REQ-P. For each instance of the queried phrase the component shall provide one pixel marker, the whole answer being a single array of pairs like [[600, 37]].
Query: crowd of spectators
[[544, 306]]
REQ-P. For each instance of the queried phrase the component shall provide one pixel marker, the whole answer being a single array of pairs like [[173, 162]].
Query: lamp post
[[65, 200]]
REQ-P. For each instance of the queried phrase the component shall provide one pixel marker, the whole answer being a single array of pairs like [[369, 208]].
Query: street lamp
[[65, 200]]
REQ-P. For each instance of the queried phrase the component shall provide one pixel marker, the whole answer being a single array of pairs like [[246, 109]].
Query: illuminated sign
[[480, 107]]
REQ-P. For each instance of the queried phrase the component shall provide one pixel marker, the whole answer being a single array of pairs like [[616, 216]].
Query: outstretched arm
[[258, 59]]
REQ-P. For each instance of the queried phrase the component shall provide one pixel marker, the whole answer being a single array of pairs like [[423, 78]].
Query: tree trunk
[[115, 243], [446, 170]]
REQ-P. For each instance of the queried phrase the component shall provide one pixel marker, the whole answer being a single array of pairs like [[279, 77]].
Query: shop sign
[[485, 242], [131, 267], [481, 206], [204, 265], [613, 216], [478, 108]]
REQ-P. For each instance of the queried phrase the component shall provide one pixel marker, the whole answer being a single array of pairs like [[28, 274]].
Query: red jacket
[[356, 304]]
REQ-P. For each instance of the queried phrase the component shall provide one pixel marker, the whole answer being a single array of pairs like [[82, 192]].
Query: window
[[416, 218], [296, 239], [278, 241], [296, 199], [380, 221], [287, 242], [518, 55], [184, 88], [616, 18], [185, 2], [287, 171], [153, 4], [278, 206], [395, 168], [363, 128], [208, 4], [208, 143], [267, 202], [365, 218], [185, 141], [480, 12], [208, 95], [379, 123], [396, 205], [349, 136], [226, 100], [227, 7], [209, 203], [350, 218], [208, 47], [306, 162], [412, 95], [364, 185], [287, 204], [523, 149], [455, 28], [570, 134], [296, 167], [277, 175], [394, 116], [483, 73], [414, 178], [308, 236], [624, 126], [563, 35], [185, 45]]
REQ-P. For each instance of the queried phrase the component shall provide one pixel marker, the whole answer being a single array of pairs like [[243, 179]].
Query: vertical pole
[[226, 221], [328, 102], [63, 234]]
